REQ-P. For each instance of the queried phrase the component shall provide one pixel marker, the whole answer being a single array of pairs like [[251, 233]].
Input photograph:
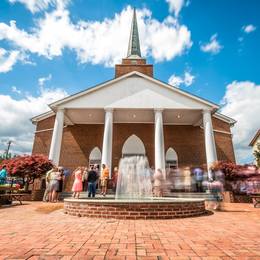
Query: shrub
[[27, 167], [239, 178]]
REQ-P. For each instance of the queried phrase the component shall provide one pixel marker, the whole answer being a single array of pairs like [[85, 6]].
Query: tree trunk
[[26, 186]]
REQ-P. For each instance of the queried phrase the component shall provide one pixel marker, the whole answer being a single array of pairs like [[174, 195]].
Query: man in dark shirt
[[92, 178]]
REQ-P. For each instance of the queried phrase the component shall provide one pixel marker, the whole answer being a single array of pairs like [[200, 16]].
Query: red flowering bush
[[27, 167], [228, 168], [234, 171]]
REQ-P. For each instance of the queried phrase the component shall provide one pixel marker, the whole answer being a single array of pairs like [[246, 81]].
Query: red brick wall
[[224, 143], [77, 143], [187, 141], [42, 140], [136, 210], [124, 69]]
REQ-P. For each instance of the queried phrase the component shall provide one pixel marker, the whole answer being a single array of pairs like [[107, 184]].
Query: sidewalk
[[34, 231]]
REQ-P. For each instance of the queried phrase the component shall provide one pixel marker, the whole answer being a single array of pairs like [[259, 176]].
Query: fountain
[[134, 198], [134, 179]]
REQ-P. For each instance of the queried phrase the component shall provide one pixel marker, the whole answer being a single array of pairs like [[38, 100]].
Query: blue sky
[[56, 48]]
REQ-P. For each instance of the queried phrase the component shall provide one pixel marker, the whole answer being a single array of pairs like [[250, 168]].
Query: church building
[[134, 114]]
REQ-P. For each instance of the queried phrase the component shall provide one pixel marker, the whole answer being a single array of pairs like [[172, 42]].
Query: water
[[134, 178]]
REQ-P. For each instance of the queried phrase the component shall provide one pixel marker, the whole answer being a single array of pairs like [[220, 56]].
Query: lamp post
[[8, 148]]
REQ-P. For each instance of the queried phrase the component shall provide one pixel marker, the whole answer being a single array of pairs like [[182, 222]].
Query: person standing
[[60, 178], [84, 179], [47, 188], [104, 179], [198, 173], [54, 185], [158, 183], [3, 175], [96, 168], [114, 178], [91, 180], [77, 185]]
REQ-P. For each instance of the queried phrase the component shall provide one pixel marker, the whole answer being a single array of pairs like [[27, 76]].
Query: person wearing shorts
[[104, 179], [54, 185]]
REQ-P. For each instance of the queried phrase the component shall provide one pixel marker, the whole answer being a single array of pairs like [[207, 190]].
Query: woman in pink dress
[[77, 185]]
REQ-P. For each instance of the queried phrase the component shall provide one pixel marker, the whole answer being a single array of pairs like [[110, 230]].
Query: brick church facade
[[134, 114]]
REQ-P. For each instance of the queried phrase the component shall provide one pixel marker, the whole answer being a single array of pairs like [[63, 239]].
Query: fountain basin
[[155, 208]]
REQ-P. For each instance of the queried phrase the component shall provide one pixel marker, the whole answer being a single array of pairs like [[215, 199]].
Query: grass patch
[[47, 208]]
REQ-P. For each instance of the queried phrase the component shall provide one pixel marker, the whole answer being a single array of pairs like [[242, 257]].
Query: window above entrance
[[133, 146]]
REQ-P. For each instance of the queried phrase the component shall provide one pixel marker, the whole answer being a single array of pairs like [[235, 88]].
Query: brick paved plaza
[[29, 233]]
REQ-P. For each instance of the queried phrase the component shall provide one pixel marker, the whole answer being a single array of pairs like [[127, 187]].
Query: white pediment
[[147, 99], [134, 90]]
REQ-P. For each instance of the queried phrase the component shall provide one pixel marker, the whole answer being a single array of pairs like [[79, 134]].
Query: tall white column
[[55, 148], [107, 140], [210, 146], [159, 141]]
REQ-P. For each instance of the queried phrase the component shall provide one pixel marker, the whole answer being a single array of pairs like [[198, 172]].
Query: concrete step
[[199, 195], [83, 194]]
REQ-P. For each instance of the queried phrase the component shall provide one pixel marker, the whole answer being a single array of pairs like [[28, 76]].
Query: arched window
[[171, 159], [133, 146], [95, 156]]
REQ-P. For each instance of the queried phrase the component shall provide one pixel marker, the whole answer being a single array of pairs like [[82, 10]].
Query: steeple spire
[[133, 60], [134, 44]]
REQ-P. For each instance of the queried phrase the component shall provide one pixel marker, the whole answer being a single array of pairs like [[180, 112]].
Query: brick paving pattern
[[29, 234]]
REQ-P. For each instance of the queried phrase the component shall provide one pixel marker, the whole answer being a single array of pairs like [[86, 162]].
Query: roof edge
[[225, 118], [42, 116], [255, 138]]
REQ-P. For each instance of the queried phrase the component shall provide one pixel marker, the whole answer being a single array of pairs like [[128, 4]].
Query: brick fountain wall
[[134, 210]]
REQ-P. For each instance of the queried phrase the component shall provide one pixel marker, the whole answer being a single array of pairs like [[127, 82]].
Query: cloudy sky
[[53, 48]]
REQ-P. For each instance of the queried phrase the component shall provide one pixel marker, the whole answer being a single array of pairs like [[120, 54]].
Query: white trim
[[222, 132], [219, 131], [45, 130], [224, 118], [89, 123], [42, 116]]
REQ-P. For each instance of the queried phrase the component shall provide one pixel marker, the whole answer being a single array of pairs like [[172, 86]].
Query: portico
[[156, 116]]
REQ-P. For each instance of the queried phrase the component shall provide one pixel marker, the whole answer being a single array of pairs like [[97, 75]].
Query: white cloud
[[40, 5], [175, 6], [41, 81], [16, 90], [187, 79], [213, 46], [8, 59], [248, 28], [242, 102], [98, 42], [16, 114]]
